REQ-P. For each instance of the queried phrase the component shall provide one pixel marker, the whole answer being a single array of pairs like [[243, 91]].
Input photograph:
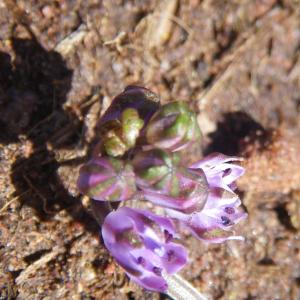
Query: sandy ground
[[61, 62]]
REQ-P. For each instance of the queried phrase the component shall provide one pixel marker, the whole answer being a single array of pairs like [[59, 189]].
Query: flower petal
[[141, 242]]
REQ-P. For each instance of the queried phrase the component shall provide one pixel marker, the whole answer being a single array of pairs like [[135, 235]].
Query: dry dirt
[[61, 62]]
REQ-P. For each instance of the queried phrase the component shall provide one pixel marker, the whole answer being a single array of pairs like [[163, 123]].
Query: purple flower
[[221, 211], [107, 179], [165, 182], [219, 170], [142, 243], [146, 138], [215, 221]]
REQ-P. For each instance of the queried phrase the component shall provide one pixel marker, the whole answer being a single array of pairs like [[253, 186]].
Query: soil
[[237, 65]]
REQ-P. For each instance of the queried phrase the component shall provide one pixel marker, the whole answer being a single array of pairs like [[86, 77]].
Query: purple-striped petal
[[166, 183], [221, 210], [107, 179], [215, 221], [219, 170]]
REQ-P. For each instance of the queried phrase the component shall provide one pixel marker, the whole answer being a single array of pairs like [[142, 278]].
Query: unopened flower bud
[[123, 121], [107, 179], [118, 136], [141, 99], [174, 126], [165, 182]]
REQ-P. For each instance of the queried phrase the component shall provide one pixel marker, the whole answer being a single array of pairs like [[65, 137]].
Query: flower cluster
[[139, 156]]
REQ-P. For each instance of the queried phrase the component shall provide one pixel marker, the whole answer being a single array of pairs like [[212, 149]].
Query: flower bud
[[121, 124], [165, 182], [107, 179], [174, 126], [119, 136], [141, 242], [141, 99]]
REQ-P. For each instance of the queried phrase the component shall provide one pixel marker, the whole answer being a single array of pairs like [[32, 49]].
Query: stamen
[[141, 260], [225, 221], [168, 236], [170, 255]]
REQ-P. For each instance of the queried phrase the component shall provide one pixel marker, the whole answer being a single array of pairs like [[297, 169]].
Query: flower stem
[[180, 289], [100, 210]]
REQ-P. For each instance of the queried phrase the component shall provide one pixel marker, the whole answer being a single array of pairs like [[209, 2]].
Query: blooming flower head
[[138, 156], [107, 179], [142, 243], [165, 182], [221, 211], [173, 127]]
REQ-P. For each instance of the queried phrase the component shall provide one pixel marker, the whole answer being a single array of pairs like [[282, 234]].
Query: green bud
[[166, 182], [131, 126], [119, 136], [107, 179], [174, 126]]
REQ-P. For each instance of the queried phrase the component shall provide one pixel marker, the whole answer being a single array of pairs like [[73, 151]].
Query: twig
[[48, 118], [89, 102], [7, 204], [69, 43], [117, 41], [44, 199], [32, 269], [257, 32], [181, 24]]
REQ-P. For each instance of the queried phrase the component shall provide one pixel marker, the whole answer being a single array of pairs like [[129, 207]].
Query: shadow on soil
[[235, 132], [33, 89]]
